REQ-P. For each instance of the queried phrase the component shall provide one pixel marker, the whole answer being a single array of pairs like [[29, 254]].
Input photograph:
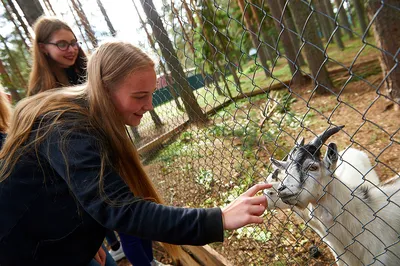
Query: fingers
[[254, 189], [256, 210], [259, 200], [255, 220]]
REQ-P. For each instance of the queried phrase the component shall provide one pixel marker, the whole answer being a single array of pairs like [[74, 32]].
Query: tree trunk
[[13, 64], [190, 41], [293, 33], [386, 27], [78, 24], [107, 19], [323, 21], [136, 134], [314, 55], [257, 21], [338, 34], [189, 14], [359, 7], [23, 51], [21, 21], [343, 18], [8, 83], [184, 33], [49, 7], [219, 68], [170, 83], [156, 119], [256, 43], [287, 43], [11, 18], [32, 10], [85, 22], [192, 107], [228, 60]]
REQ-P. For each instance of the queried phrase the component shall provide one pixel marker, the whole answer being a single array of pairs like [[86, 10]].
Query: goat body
[[366, 218], [366, 223]]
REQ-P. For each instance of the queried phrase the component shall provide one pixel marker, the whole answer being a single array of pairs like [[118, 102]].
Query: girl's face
[[133, 96], [62, 48]]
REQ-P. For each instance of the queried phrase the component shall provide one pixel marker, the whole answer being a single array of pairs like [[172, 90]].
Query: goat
[[355, 163], [366, 223], [351, 162]]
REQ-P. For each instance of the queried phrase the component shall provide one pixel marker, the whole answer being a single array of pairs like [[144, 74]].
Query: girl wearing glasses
[[58, 60]]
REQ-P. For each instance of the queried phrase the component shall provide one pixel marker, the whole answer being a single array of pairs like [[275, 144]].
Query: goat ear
[[331, 156], [276, 164]]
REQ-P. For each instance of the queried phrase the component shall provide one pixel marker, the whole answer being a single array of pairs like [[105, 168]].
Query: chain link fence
[[275, 71]]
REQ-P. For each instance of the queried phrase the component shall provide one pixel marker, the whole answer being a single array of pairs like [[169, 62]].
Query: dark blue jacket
[[48, 219], [2, 138]]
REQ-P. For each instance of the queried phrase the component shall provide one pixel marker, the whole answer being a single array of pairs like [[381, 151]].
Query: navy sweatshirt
[[48, 219]]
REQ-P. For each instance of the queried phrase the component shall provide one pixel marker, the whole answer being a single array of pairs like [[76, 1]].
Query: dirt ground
[[371, 124]]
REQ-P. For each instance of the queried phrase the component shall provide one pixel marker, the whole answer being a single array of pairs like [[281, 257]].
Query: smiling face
[[133, 96], [65, 58]]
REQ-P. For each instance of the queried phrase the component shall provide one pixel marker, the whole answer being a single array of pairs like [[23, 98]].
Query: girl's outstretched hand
[[246, 209]]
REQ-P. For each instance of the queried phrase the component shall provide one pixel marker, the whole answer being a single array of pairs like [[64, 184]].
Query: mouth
[[72, 57], [289, 199], [138, 115]]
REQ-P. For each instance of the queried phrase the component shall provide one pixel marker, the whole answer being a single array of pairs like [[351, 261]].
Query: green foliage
[[205, 178], [15, 59]]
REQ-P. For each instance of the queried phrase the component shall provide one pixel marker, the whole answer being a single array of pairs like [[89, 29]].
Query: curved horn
[[320, 139], [299, 143]]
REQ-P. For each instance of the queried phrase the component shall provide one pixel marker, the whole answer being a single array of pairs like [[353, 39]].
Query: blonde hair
[[41, 77], [5, 111], [93, 109]]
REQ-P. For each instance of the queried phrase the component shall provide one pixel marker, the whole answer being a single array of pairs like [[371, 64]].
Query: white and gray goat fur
[[351, 163], [365, 226]]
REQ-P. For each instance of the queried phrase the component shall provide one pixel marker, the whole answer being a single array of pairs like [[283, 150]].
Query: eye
[[139, 97], [62, 44], [313, 167]]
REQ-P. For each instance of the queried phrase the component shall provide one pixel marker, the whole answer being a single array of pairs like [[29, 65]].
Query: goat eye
[[313, 168]]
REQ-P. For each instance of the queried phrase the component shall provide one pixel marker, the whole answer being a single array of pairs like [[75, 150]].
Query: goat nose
[[281, 187]]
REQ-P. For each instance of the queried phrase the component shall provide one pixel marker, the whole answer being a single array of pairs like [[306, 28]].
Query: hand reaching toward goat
[[246, 209]]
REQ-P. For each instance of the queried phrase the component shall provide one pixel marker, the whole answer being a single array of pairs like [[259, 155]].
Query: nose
[[71, 48], [149, 104], [281, 187]]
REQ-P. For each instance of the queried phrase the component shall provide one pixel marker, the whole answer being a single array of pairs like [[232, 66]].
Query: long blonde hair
[[5, 111], [42, 77], [93, 108]]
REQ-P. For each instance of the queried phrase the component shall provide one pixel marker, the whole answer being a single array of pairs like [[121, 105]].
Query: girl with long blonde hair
[[69, 171]]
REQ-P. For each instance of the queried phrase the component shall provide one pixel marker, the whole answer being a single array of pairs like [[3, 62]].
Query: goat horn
[[319, 140]]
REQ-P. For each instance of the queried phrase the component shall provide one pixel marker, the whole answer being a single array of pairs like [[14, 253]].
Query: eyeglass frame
[[76, 45]]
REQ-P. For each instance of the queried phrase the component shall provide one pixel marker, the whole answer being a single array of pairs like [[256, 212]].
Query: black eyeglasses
[[64, 45]]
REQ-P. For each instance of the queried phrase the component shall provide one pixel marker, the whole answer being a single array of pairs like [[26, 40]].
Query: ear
[[276, 164], [331, 157], [275, 175], [43, 48]]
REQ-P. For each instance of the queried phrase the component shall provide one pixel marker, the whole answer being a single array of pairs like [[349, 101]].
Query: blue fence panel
[[163, 95]]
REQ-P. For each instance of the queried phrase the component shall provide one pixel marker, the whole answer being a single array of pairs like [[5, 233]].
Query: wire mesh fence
[[275, 71], [240, 82]]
